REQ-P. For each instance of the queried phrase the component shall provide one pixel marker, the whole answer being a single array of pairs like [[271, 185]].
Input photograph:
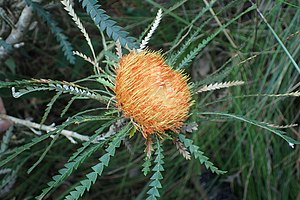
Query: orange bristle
[[151, 93]]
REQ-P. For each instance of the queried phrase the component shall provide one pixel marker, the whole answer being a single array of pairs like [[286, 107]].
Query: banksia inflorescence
[[151, 93]]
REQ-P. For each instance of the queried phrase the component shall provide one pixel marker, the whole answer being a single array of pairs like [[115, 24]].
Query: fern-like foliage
[[146, 165], [86, 184], [192, 54], [219, 75], [173, 58], [17, 151], [182, 149], [68, 7], [73, 120], [263, 125], [217, 86], [50, 85], [188, 143], [49, 106], [105, 23], [157, 176], [68, 106], [93, 138], [84, 152], [55, 29], [85, 57], [78, 157]]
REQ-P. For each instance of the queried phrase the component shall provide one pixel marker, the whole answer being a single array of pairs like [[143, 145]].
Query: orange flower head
[[151, 93]]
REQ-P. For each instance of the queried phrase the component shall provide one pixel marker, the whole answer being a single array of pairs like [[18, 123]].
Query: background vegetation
[[260, 165]]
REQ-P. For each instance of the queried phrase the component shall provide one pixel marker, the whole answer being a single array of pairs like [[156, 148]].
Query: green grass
[[260, 164]]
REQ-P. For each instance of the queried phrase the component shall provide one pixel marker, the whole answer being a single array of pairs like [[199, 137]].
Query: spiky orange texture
[[151, 93]]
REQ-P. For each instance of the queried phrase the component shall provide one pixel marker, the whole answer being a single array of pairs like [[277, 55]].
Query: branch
[[68, 134], [17, 34]]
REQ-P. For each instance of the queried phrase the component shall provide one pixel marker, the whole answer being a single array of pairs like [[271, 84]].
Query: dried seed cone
[[151, 93]]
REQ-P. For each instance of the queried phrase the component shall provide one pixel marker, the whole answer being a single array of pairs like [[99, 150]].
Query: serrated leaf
[[98, 168], [193, 148], [116, 142], [153, 191], [50, 183], [69, 165], [56, 177], [104, 22], [75, 194], [151, 197], [81, 189], [199, 154], [65, 45], [86, 183], [63, 170], [146, 166], [159, 159], [158, 168], [105, 82], [92, 176], [156, 176], [156, 184], [25, 147], [279, 133], [105, 159], [69, 197], [111, 150]]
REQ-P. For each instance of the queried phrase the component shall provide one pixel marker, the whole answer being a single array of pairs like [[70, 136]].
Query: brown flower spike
[[151, 93]]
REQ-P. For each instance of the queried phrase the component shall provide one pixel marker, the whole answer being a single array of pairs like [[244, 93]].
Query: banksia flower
[[151, 93]]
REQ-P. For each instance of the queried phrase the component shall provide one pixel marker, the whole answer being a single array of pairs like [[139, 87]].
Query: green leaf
[[199, 154], [104, 161], [70, 167], [192, 54], [104, 22], [105, 82], [75, 194], [146, 166], [65, 45], [92, 176], [49, 106], [86, 183], [279, 133], [43, 155], [156, 184], [111, 150], [157, 176], [153, 191], [151, 197], [98, 168], [88, 143], [158, 168], [25, 147]]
